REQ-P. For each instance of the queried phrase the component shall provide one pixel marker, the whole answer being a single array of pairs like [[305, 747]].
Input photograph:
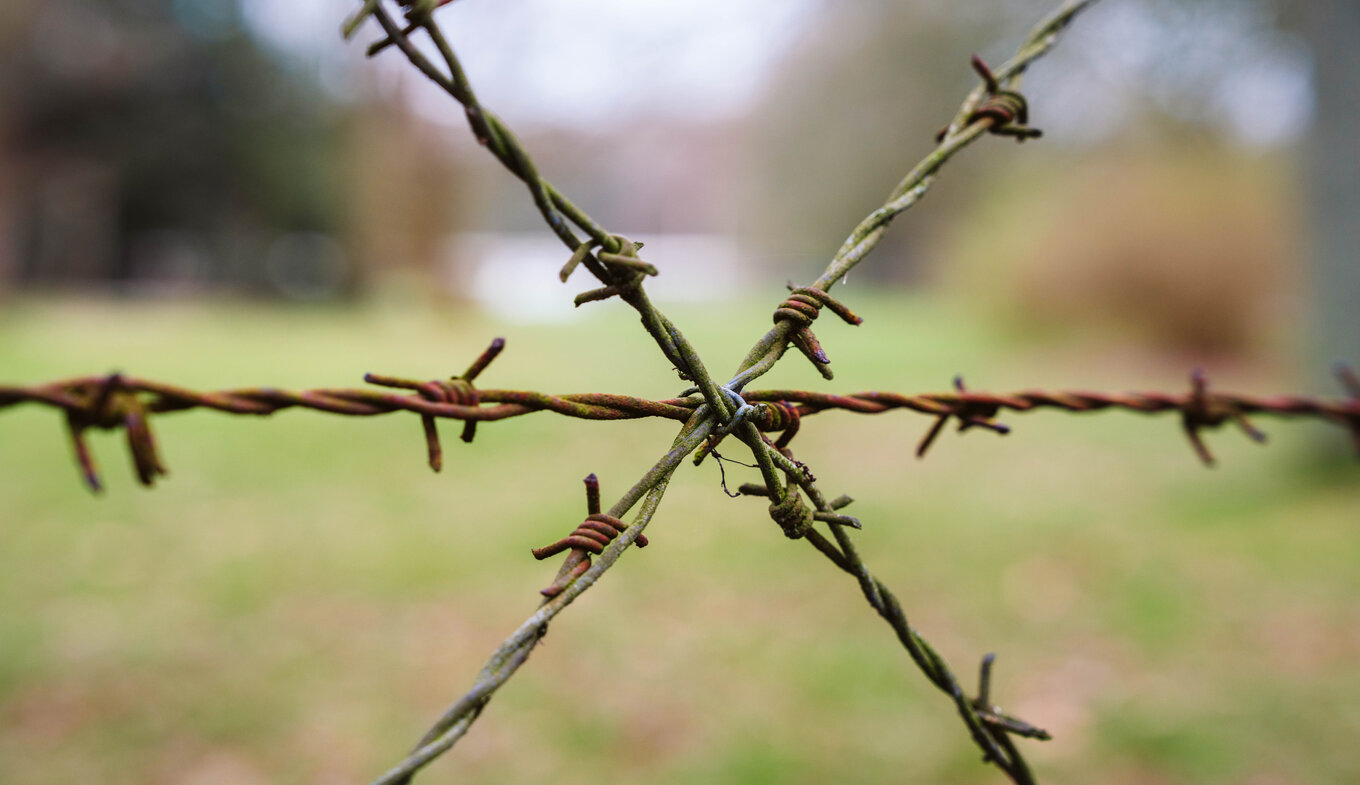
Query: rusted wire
[[1006, 110], [591, 536], [1203, 408], [801, 309], [989, 726], [123, 402], [458, 391], [970, 415], [111, 405]]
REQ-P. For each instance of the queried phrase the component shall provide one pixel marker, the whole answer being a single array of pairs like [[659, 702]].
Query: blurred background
[[222, 193]]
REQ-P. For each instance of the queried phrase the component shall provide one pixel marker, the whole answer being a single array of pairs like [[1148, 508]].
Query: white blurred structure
[[515, 276]]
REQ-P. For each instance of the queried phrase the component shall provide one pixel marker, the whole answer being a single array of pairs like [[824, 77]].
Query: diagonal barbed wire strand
[[865, 237], [621, 280], [458, 718]]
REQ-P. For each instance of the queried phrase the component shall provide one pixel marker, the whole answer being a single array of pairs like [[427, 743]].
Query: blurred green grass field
[[301, 596]]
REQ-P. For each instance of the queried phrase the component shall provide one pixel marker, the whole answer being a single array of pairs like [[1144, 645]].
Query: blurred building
[[157, 146]]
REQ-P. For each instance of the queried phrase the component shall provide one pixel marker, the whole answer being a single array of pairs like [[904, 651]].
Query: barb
[[801, 310], [110, 405], [1005, 111], [592, 536], [458, 391], [1205, 411], [970, 415]]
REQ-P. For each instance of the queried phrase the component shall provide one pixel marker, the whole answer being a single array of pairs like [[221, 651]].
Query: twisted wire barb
[[592, 535]]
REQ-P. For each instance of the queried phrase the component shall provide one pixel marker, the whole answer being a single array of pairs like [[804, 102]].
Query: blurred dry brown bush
[[1193, 252]]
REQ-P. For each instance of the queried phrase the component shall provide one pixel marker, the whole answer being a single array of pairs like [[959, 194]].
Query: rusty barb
[[790, 514], [1007, 110], [801, 308], [1204, 410], [590, 537], [623, 269], [971, 414], [457, 390], [110, 405]]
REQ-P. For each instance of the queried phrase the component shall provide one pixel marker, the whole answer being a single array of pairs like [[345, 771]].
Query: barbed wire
[[117, 401], [709, 411]]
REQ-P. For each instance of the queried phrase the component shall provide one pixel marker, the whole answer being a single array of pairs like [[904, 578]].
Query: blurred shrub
[[1189, 252]]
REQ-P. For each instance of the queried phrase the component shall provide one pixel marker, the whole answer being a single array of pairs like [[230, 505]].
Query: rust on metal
[[971, 414], [120, 401], [801, 308], [591, 536], [1006, 111]]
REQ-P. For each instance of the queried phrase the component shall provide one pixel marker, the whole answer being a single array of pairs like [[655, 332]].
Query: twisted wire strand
[[960, 133], [591, 536], [515, 650], [117, 401], [988, 725], [877, 402], [74, 395], [618, 271]]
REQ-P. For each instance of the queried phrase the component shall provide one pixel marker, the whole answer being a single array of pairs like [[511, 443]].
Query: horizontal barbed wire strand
[[75, 395]]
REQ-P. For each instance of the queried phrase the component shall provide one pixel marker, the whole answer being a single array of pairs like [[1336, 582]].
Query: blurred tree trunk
[[1332, 28]]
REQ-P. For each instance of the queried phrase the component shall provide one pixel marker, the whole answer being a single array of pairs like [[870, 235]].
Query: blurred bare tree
[[150, 142]]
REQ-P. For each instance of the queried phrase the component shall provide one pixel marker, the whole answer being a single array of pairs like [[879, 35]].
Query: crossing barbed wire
[[710, 411]]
